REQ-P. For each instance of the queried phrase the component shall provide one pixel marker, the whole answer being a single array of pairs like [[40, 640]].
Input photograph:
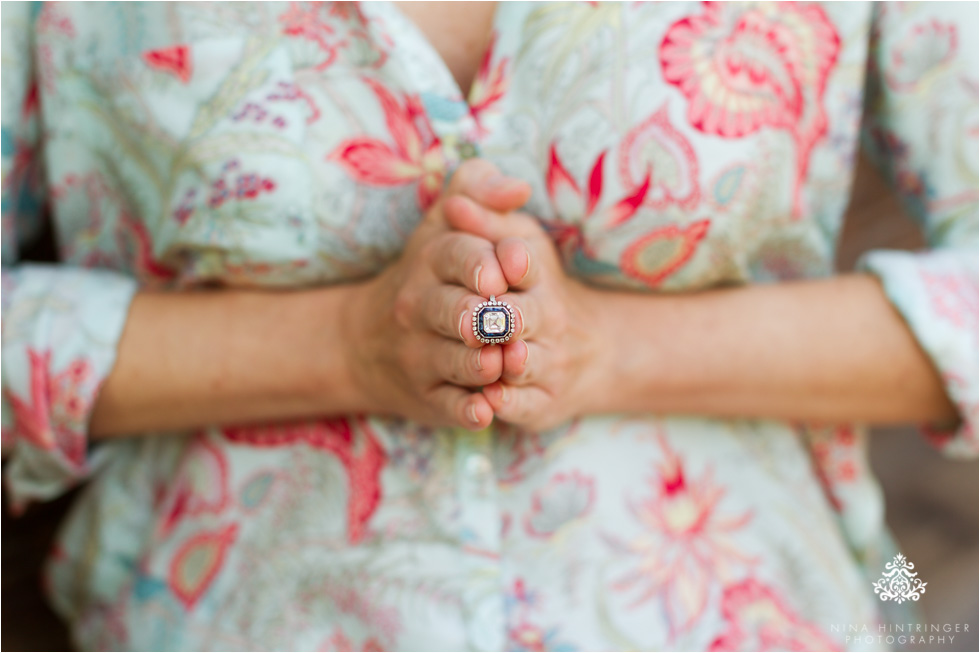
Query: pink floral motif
[[687, 545], [837, 459], [658, 254], [416, 156], [332, 28], [928, 47], [953, 297], [489, 86], [654, 148], [578, 209], [134, 244], [198, 561], [54, 416], [52, 21], [134, 237], [200, 485], [743, 68], [523, 633], [304, 20], [175, 60], [564, 499], [758, 620], [518, 450], [359, 451]]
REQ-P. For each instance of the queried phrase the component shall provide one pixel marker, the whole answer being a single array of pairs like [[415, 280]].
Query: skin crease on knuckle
[[491, 361], [404, 307], [463, 310], [429, 249], [474, 264], [469, 175], [475, 271], [400, 375], [459, 367]]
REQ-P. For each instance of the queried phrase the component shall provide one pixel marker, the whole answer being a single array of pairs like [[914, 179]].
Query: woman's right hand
[[411, 351]]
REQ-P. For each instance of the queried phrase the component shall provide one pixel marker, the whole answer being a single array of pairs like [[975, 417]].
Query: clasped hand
[[412, 350]]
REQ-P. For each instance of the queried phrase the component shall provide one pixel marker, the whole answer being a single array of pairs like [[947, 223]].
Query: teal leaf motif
[[728, 184], [256, 490]]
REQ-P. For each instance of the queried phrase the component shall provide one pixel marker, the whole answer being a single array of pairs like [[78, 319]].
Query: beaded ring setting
[[493, 321]]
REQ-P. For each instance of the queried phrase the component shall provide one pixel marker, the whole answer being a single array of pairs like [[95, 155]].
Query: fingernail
[[503, 393], [462, 316], [527, 268], [471, 413], [479, 359], [477, 280], [527, 354]]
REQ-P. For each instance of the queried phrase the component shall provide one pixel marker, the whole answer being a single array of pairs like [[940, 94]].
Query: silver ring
[[493, 321]]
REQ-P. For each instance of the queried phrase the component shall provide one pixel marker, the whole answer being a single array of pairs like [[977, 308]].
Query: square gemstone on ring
[[493, 322]]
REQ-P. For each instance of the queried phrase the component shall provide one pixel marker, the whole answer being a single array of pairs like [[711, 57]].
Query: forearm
[[190, 359], [826, 350]]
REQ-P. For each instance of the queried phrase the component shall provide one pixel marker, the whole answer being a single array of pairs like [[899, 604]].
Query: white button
[[478, 465]]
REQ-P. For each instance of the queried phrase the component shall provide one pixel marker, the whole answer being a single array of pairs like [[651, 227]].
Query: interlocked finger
[[463, 408], [464, 366], [467, 261], [448, 310]]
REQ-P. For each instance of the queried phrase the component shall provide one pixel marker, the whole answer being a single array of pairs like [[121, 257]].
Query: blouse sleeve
[[920, 128], [60, 324]]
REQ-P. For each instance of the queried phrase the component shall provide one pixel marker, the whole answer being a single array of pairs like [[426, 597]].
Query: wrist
[[325, 350], [630, 358], [603, 348]]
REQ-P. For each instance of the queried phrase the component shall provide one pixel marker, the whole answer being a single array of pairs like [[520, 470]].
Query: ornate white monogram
[[899, 583]]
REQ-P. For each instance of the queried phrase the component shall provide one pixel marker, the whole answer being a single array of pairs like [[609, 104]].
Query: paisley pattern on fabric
[[654, 256], [52, 417], [671, 147], [197, 563], [745, 67], [759, 620], [359, 452], [654, 147]]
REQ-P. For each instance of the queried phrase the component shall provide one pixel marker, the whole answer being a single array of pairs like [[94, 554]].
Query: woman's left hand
[[553, 371]]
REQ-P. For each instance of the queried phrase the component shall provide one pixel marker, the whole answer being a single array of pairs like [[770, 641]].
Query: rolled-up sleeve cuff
[[61, 329], [936, 294]]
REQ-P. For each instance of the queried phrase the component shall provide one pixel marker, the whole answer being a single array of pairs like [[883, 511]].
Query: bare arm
[[194, 358], [830, 350], [384, 346], [827, 350]]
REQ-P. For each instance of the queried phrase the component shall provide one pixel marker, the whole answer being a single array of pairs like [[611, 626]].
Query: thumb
[[483, 183]]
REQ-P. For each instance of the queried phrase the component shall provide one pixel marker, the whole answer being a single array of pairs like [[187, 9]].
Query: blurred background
[[932, 502]]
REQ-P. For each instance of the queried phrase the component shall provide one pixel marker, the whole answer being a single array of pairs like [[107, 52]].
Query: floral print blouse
[[671, 147]]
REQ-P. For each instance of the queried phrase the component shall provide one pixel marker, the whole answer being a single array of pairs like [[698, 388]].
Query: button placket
[[480, 538]]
